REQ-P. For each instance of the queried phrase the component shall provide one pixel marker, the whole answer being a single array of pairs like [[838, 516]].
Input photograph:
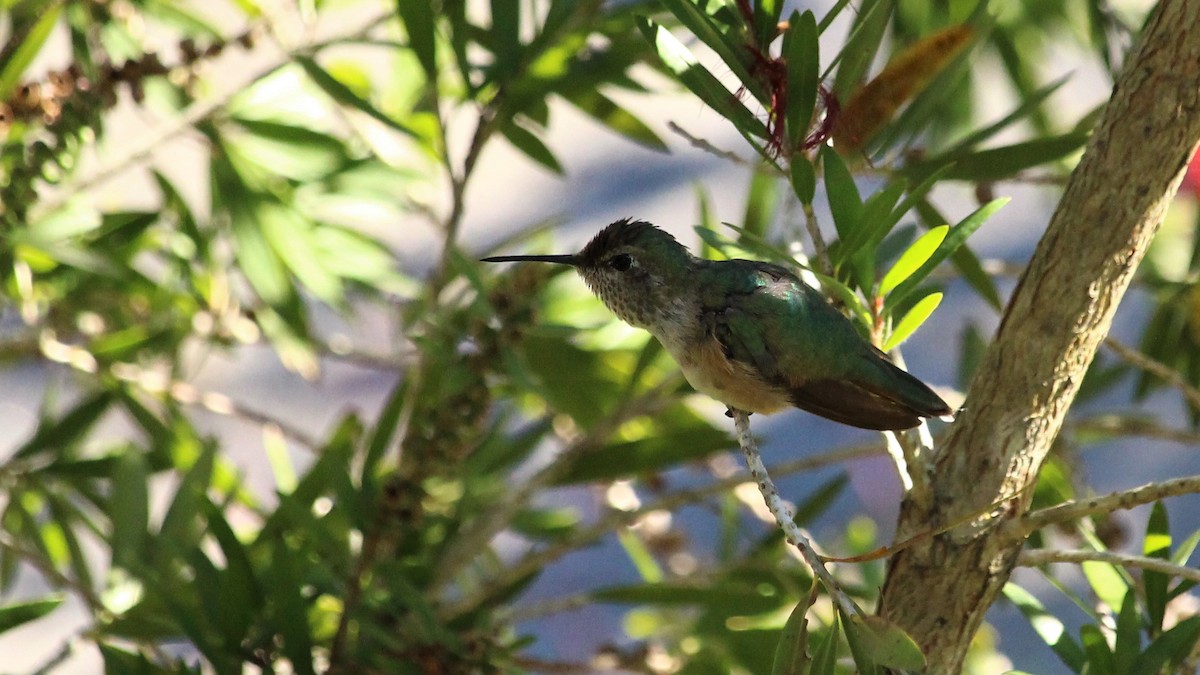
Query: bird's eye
[[621, 262]]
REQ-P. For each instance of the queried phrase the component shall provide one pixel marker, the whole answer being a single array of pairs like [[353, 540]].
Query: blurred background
[[279, 208]]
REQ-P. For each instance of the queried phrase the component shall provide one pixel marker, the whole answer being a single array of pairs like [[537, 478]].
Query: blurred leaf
[[610, 114], [505, 38], [290, 614], [1051, 630], [130, 511], [418, 17], [531, 146], [728, 48], [19, 613], [1100, 657], [239, 595], [546, 524], [1107, 582], [999, 163], [182, 525], [874, 104], [912, 320], [1127, 644], [680, 61], [641, 557], [344, 96], [1157, 544], [1170, 648], [824, 661], [31, 45], [860, 47], [791, 652], [289, 151], [761, 201], [57, 434], [745, 597], [653, 453]]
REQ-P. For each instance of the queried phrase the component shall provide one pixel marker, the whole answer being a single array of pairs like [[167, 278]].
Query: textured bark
[[1060, 311]]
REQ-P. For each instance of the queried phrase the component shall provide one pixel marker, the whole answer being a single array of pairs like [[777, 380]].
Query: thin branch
[[615, 519], [820, 249], [792, 531], [1121, 425], [1125, 499], [704, 145], [1042, 557], [1157, 369]]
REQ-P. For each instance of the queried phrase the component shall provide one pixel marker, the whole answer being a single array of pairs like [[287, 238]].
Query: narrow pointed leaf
[[1128, 643], [791, 652], [844, 200], [702, 26], [955, 238], [884, 643], [1156, 545], [824, 661], [680, 61], [911, 260], [531, 146], [130, 510], [345, 96], [1051, 630], [803, 74], [913, 320], [24, 55], [418, 18]]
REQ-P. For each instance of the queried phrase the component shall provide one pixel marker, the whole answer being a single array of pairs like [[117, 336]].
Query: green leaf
[[803, 77], [804, 178], [290, 614], [912, 259], [240, 598], [342, 94], [607, 112], [1156, 545], [885, 643], [845, 204], [531, 146], [1100, 657], [954, 239], [1128, 643], [505, 38], [913, 320], [19, 613], [130, 511], [761, 201], [22, 56], [641, 557], [680, 61], [859, 50], [791, 652], [182, 525], [58, 434], [293, 152], [1107, 582], [824, 661], [1051, 630], [418, 18], [1172, 647], [729, 49], [1000, 163], [655, 452]]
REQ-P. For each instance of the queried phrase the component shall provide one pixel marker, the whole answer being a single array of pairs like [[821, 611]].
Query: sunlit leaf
[[912, 320], [911, 260]]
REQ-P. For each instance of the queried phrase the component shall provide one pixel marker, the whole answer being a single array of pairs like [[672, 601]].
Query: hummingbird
[[749, 334]]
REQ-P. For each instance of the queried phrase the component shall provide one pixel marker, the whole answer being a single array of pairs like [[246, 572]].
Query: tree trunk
[[1062, 308]]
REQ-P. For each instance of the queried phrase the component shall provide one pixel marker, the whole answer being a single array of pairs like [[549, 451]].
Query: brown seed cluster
[[50, 116]]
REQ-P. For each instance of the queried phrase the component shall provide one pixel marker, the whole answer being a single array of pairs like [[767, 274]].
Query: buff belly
[[732, 383]]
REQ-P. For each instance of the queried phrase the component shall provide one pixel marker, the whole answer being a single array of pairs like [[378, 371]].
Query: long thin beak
[[557, 259]]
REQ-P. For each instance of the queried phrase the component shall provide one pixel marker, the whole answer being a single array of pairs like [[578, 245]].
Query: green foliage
[[378, 550]]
